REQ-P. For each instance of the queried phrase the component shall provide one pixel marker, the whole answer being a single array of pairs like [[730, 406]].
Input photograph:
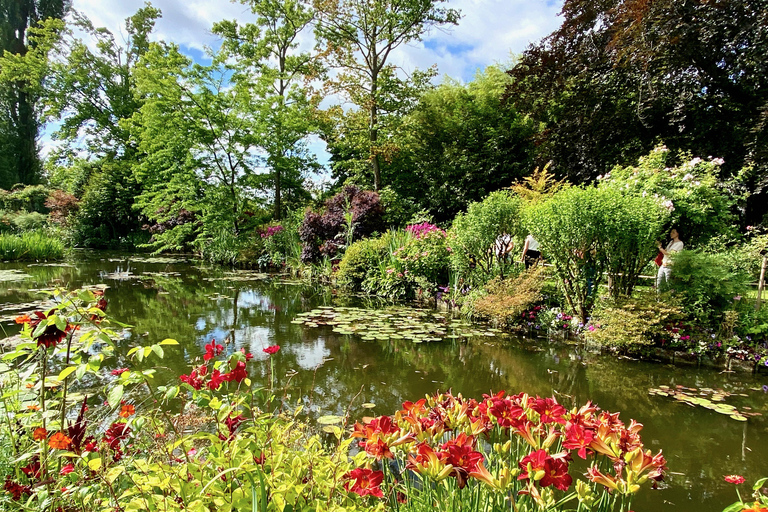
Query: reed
[[30, 246]]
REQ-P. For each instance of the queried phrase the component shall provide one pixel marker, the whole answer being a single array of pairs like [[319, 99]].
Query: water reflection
[[328, 370]]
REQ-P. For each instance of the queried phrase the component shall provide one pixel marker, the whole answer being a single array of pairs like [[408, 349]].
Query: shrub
[[62, 206], [636, 321], [350, 215], [506, 299], [707, 285], [473, 235], [360, 259], [425, 256], [700, 207], [585, 232], [31, 221]]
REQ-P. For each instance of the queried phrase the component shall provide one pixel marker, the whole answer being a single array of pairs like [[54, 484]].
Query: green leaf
[[113, 473], [168, 341], [66, 372], [115, 395], [157, 349]]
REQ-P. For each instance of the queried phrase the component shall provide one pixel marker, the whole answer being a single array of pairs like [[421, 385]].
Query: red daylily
[[216, 379], [32, 470], [15, 489], [365, 482], [579, 437], [549, 410]]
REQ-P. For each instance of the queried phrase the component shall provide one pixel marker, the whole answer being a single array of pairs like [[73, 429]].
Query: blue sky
[[490, 31]]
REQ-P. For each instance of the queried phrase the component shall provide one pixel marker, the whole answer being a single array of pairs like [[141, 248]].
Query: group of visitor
[[531, 255]]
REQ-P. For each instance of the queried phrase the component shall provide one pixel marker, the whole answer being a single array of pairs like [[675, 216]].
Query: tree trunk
[[374, 133]]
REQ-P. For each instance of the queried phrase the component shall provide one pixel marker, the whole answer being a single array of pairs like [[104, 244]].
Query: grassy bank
[[31, 246]]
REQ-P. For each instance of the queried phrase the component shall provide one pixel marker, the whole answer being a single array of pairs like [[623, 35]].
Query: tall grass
[[30, 246]]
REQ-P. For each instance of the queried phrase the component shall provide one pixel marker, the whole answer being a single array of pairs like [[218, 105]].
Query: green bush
[[587, 231], [506, 299], [635, 321], [360, 259], [31, 246], [708, 286], [426, 258], [700, 207], [29, 221], [473, 235]]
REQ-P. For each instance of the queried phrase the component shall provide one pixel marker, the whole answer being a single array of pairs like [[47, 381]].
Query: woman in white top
[[665, 270], [531, 253]]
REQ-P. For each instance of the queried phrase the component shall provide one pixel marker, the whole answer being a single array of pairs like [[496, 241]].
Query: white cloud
[[489, 31]]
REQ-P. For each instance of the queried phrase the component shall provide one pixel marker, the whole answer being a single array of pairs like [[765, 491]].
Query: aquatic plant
[[31, 246]]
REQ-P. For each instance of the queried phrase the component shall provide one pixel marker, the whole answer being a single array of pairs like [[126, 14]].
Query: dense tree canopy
[[621, 75]]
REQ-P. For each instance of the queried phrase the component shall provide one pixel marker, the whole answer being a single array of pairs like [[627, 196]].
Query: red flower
[[549, 410], [238, 374], [51, 335], [248, 355], [212, 350], [365, 482], [192, 379], [579, 437], [734, 479], [15, 489], [216, 379], [272, 350], [69, 468], [39, 434], [547, 470], [233, 422], [32, 470], [115, 433], [118, 371]]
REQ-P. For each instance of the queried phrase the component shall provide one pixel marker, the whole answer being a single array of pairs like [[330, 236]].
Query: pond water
[[335, 372]]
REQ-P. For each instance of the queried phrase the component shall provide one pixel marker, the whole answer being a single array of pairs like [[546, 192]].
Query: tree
[[92, 93], [20, 119], [460, 144], [199, 136], [360, 37], [265, 56], [621, 75]]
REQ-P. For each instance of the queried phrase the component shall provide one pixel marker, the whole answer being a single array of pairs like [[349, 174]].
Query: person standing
[[665, 270], [531, 253]]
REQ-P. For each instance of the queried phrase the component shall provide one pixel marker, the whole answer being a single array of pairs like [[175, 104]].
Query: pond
[[334, 372]]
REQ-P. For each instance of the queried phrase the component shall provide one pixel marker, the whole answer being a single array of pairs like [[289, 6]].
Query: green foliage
[[473, 236], [459, 144], [31, 246], [628, 323], [361, 258], [426, 258], [359, 38], [30, 198], [585, 232], [505, 299], [200, 444], [700, 207], [707, 285]]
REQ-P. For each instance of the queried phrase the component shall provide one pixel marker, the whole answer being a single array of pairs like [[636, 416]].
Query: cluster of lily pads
[[708, 398], [416, 325]]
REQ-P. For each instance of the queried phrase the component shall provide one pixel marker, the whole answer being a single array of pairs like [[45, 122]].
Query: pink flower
[[119, 371], [67, 469], [271, 350], [734, 479]]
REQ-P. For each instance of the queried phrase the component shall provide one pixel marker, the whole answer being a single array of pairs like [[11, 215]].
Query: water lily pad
[[13, 275]]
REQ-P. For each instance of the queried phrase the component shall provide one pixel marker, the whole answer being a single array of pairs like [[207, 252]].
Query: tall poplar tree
[[19, 111]]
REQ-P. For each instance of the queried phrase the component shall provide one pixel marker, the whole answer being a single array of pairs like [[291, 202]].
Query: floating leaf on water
[[13, 275], [330, 419], [738, 417]]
